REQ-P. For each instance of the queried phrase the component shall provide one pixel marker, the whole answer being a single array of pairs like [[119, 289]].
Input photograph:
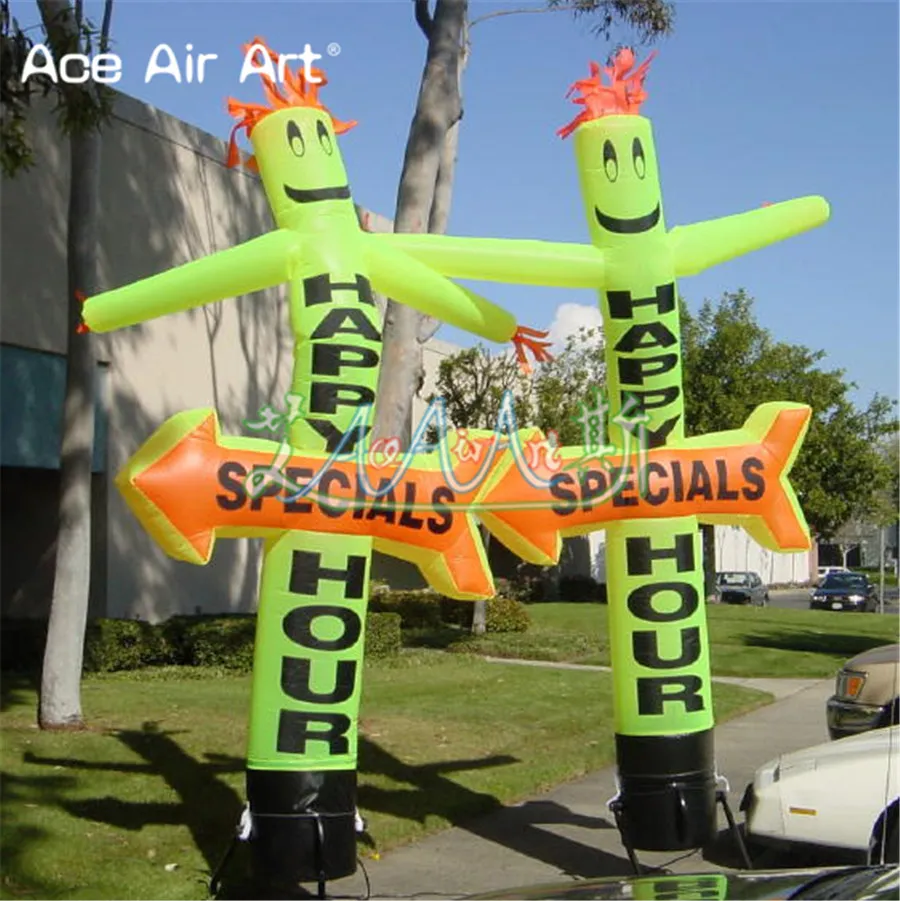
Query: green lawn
[[158, 778], [744, 641]]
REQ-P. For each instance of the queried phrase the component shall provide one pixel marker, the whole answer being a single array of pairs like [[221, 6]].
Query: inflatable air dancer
[[658, 635], [302, 755]]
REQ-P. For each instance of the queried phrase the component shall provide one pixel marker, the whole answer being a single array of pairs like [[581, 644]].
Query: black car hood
[[871, 883]]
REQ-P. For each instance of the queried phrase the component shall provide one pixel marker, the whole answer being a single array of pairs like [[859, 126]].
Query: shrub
[[123, 644], [506, 615], [225, 642], [417, 609], [502, 614], [581, 588], [383, 634], [529, 584], [113, 645], [456, 613]]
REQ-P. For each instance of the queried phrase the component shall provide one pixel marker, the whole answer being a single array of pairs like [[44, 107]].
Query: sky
[[751, 102]]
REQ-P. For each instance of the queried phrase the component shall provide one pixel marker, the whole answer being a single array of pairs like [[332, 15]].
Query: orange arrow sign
[[188, 484], [737, 477]]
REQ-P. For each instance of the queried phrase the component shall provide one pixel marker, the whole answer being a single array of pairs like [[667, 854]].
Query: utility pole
[[881, 569]]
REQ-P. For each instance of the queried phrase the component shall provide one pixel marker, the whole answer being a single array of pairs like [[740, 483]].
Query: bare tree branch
[[104, 27], [423, 17], [570, 7]]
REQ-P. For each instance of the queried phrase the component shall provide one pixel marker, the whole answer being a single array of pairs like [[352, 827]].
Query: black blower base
[[667, 790], [304, 825]]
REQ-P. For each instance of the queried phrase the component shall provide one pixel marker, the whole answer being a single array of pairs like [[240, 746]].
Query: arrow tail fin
[[460, 572]]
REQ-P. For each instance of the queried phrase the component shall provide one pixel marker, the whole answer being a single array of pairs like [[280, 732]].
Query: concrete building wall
[[736, 551]]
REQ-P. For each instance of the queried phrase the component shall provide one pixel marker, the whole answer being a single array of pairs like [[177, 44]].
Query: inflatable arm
[[261, 263], [523, 262], [704, 244], [409, 281]]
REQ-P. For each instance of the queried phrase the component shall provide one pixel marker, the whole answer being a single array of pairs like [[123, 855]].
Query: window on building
[[32, 391]]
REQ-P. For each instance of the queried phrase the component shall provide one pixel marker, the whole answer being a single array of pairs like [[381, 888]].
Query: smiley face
[[297, 144], [299, 161], [619, 178]]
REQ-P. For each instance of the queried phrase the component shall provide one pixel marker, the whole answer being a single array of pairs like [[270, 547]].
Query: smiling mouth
[[628, 226], [315, 194]]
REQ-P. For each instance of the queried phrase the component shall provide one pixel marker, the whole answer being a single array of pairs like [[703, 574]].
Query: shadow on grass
[[815, 642], [518, 828], [17, 689], [210, 808], [435, 637], [206, 805], [17, 792]]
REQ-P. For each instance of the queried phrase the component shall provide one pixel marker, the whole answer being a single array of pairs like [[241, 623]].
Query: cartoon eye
[[610, 163], [637, 155], [324, 137], [295, 139]]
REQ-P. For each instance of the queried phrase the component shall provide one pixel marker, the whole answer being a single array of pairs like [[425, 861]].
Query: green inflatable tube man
[[658, 635], [307, 675]]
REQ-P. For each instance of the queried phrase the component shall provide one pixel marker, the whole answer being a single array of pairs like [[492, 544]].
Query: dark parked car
[[866, 693], [741, 588], [844, 591]]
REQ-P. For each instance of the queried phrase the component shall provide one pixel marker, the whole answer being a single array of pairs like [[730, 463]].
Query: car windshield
[[844, 580], [734, 579]]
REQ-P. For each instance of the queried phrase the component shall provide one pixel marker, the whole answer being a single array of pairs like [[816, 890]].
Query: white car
[[828, 570], [842, 794]]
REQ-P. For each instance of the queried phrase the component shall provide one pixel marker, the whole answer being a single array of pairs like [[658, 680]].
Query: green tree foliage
[[473, 382], [732, 364], [649, 19], [77, 108], [15, 95], [562, 386]]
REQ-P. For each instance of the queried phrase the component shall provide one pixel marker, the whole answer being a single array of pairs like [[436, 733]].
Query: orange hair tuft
[[622, 96], [295, 92]]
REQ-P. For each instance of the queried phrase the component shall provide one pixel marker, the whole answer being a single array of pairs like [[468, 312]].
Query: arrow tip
[[155, 484]]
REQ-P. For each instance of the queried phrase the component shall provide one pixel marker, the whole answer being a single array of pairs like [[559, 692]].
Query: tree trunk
[[437, 110], [60, 694], [708, 537], [60, 704], [479, 608], [443, 189]]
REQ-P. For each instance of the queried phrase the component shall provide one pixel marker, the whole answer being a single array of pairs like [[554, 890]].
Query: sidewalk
[[568, 832]]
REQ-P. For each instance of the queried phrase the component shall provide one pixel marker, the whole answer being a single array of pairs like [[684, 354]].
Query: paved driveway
[[568, 833]]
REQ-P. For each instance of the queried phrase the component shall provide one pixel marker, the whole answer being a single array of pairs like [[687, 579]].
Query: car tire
[[892, 851], [886, 839], [891, 844]]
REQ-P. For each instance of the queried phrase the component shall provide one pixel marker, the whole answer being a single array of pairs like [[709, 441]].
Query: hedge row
[[124, 644], [426, 609], [227, 641]]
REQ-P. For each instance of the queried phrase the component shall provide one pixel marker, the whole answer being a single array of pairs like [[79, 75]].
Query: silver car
[[741, 588]]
